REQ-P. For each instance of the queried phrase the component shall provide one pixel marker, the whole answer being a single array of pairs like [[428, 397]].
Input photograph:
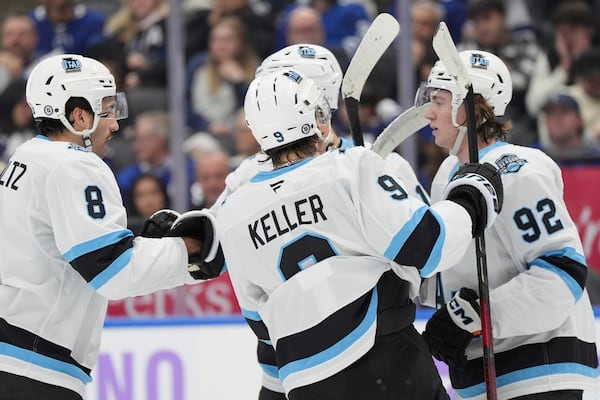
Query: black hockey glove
[[451, 328], [199, 224], [478, 188], [159, 223]]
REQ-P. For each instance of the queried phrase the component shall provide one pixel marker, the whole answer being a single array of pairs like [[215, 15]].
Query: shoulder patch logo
[[74, 146], [508, 163]]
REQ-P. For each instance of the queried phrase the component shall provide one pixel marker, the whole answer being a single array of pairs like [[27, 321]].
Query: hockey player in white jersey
[[65, 249], [542, 321], [326, 251], [318, 63]]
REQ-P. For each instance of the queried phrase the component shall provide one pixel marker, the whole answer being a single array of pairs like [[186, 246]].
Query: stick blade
[[401, 128], [381, 33], [446, 50]]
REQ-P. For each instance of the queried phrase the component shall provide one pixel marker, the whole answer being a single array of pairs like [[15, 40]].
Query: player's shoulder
[[56, 153], [397, 160], [515, 160]]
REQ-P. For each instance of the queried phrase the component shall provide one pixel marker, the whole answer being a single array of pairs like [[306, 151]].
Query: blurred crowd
[[551, 47]]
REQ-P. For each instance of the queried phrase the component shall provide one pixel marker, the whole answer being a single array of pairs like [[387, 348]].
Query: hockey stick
[[446, 51], [401, 128], [381, 33]]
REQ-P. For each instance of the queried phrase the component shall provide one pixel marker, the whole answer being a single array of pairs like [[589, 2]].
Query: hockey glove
[[159, 223], [200, 224], [451, 328], [478, 188]]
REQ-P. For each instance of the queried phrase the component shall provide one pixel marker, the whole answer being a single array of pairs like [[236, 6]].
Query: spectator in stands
[[148, 195], [586, 76], [257, 18], [16, 120], [219, 79], [20, 39], [211, 170], [66, 26], [344, 24], [305, 25], [518, 49], [199, 144], [245, 143], [141, 28], [574, 30], [454, 13], [152, 152], [564, 127]]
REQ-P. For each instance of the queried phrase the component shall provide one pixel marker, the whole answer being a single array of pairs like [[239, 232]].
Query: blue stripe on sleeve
[[96, 243], [114, 268]]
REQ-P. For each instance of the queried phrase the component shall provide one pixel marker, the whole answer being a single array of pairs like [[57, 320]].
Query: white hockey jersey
[[307, 247], [64, 251], [260, 162], [543, 324]]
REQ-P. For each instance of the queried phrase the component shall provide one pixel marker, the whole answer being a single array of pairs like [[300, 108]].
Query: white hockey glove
[[478, 188], [200, 224], [451, 328], [159, 223]]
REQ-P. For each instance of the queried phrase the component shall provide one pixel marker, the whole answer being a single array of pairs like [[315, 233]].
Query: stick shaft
[[489, 362], [354, 121]]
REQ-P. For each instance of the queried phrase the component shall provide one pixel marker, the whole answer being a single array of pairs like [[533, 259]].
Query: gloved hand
[[451, 328], [478, 188], [200, 225], [159, 223]]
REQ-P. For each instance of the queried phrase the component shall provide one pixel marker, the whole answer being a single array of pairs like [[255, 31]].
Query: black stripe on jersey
[[259, 328], [26, 340], [266, 354], [325, 334], [395, 311], [576, 270], [555, 351], [91, 264], [418, 247]]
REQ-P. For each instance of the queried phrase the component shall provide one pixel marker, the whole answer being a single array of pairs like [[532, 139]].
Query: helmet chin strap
[[85, 134], [462, 132]]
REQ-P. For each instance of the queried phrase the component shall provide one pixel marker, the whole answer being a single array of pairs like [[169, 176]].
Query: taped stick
[[381, 33], [401, 128]]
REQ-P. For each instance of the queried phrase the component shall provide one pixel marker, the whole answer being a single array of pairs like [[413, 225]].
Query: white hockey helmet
[[311, 61], [56, 79], [489, 75], [283, 107]]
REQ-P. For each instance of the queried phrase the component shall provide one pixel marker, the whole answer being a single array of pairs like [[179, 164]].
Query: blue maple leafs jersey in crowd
[[64, 251], [543, 323], [305, 243]]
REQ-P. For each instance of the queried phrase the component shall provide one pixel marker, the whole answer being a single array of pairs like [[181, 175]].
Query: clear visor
[[114, 107], [423, 95]]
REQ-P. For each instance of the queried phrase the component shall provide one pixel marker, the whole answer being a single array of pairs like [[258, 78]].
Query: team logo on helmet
[[307, 52], [508, 163], [479, 61], [48, 110], [293, 75], [71, 65]]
